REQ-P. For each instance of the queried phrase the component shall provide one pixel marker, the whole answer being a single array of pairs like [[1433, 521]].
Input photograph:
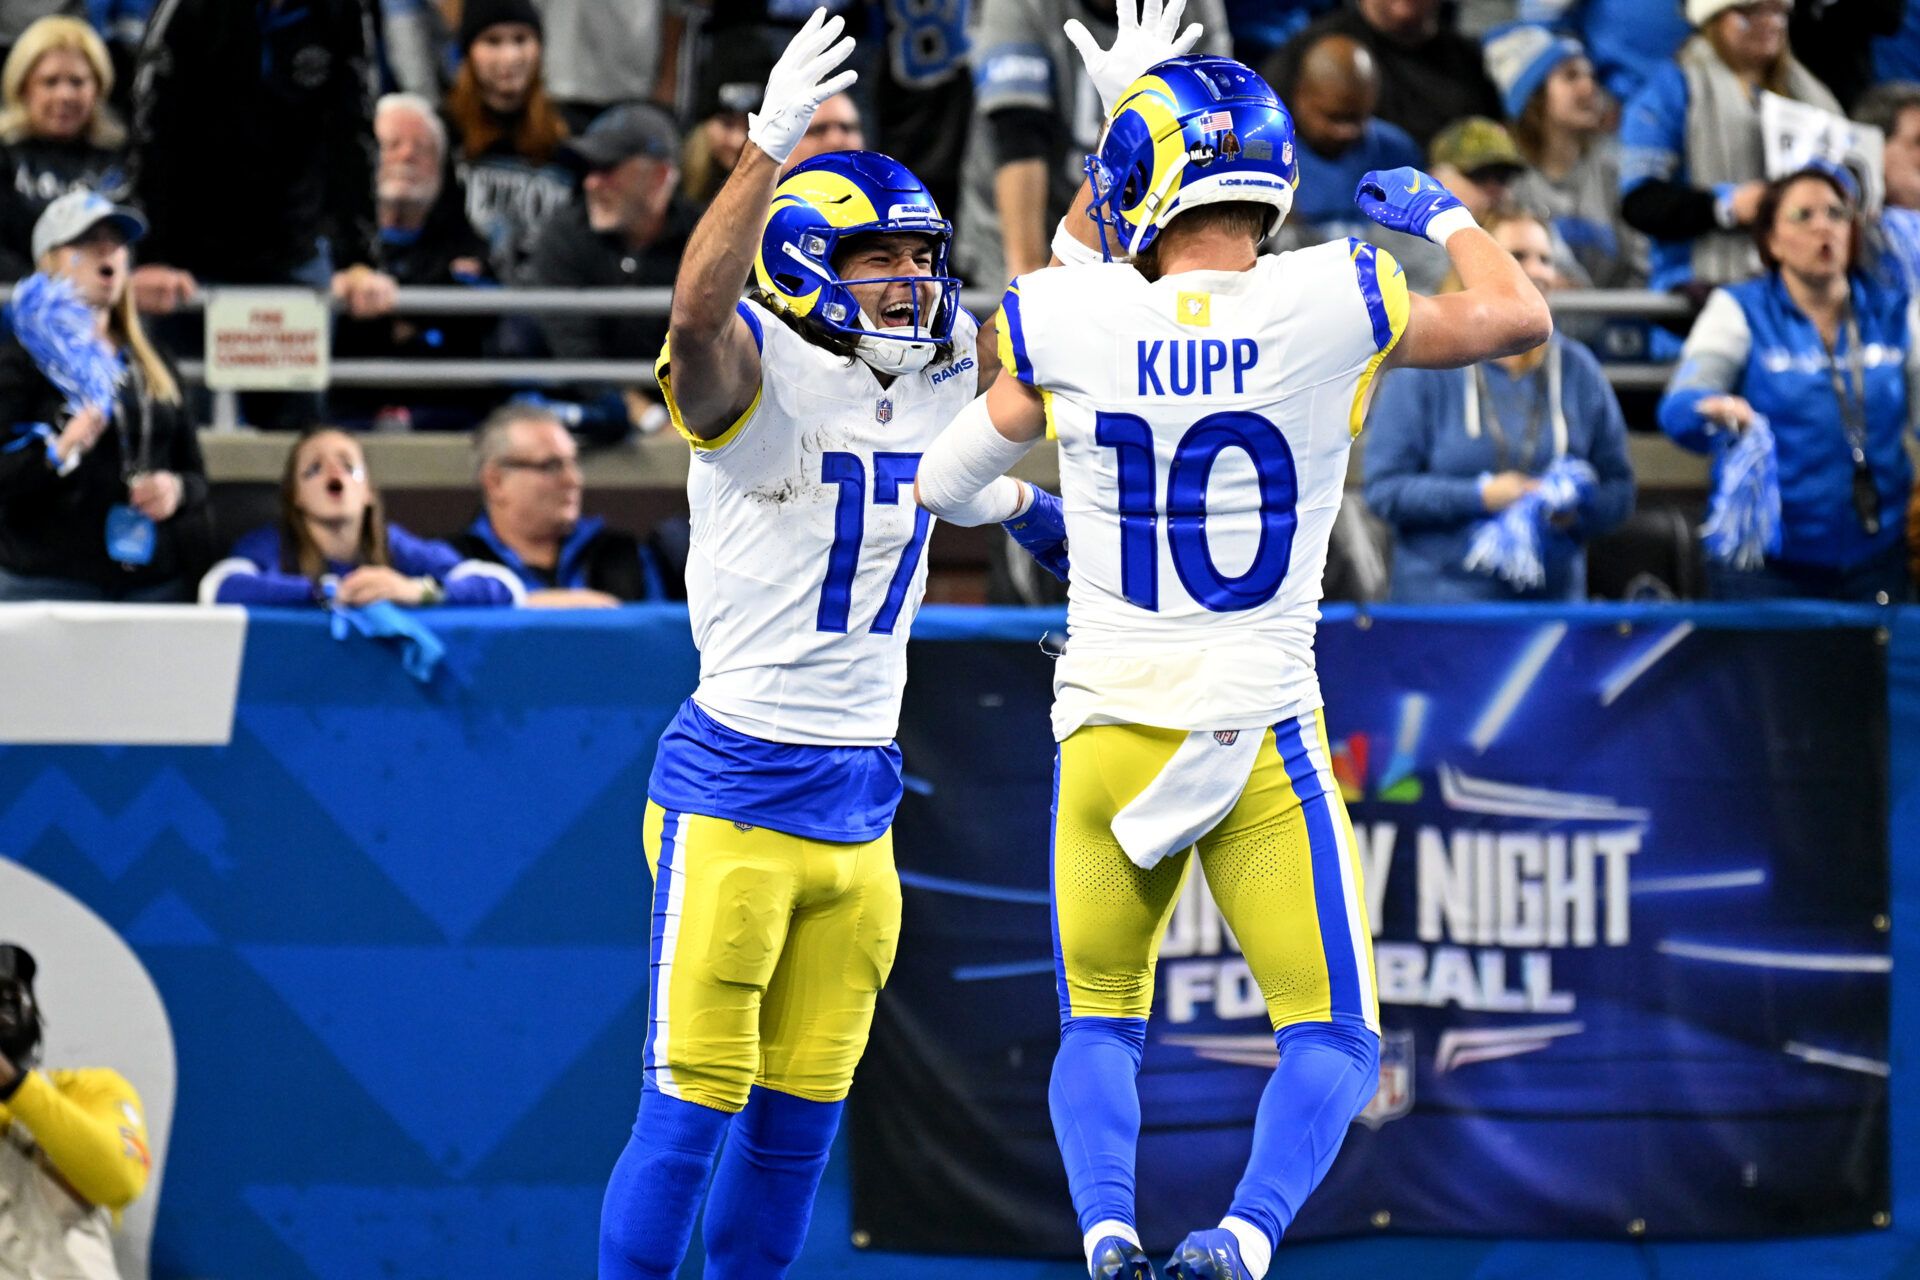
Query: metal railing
[[454, 301]]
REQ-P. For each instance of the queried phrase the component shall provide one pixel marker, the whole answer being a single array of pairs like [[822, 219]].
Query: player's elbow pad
[[962, 477]]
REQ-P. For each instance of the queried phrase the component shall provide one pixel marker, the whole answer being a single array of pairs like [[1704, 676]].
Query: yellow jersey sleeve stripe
[[1013, 337], [662, 372], [1383, 288]]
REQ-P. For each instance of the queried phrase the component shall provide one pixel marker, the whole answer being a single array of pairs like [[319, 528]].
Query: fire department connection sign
[[268, 340]]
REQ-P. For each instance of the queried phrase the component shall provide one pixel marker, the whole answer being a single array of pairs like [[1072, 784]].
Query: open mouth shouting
[[897, 315]]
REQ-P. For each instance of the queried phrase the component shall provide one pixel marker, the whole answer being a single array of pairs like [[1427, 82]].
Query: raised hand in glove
[[1041, 531], [798, 84], [1408, 200], [1143, 42]]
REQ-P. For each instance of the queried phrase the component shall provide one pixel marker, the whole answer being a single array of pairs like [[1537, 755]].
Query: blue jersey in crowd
[[252, 573], [1425, 456], [1754, 342], [1325, 194]]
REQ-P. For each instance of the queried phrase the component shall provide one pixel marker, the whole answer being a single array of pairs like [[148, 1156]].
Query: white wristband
[[1071, 251], [1445, 223], [962, 477]]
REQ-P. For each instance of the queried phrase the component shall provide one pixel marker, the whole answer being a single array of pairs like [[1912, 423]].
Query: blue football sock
[[647, 1217], [762, 1197], [1096, 1113], [1327, 1072]]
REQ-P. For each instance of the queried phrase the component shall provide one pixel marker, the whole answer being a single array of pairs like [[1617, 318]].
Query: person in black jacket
[[425, 239], [530, 522], [57, 133], [626, 230], [253, 149], [103, 504]]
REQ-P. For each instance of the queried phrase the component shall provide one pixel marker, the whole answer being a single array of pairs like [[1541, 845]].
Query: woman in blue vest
[[1826, 353], [1446, 449]]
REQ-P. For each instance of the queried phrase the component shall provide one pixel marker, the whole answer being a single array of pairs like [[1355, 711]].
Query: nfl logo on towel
[[1226, 737], [1394, 1097], [883, 410]]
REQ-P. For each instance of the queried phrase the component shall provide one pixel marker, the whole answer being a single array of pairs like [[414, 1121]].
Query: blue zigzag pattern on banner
[[451, 1233], [168, 921], [407, 809], [53, 801], [456, 1044]]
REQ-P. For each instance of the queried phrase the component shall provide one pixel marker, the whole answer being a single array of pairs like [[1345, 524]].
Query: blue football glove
[[1041, 531], [1406, 199]]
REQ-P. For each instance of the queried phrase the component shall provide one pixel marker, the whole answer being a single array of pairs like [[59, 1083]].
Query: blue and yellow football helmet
[[1192, 131], [816, 209]]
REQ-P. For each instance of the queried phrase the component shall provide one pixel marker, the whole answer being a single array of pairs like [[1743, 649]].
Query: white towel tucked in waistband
[[1198, 787]]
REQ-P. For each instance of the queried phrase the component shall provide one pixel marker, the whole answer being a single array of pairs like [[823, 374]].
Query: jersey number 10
[[890, 472], [1131, 438]]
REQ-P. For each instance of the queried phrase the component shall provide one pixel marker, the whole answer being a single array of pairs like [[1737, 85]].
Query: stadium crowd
[[357, 148]]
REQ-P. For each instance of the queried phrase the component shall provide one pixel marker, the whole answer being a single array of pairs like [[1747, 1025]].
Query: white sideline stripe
[[120, 674], [1759, 958], [669, 940], [1358, 940], [1834, 1058], [1706, 880], [1620, 681], [1516, 686]]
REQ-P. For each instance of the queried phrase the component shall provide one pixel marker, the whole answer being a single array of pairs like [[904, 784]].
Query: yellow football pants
[[1282, 866], [768, 951]]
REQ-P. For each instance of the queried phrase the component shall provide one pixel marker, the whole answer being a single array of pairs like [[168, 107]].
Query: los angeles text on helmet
[[1493, 906]]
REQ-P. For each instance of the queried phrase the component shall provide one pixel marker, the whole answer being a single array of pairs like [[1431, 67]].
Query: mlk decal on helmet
[[822, 206], [1192, 131]]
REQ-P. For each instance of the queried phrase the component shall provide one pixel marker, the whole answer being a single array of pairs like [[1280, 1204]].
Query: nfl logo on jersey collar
[[883, 409]]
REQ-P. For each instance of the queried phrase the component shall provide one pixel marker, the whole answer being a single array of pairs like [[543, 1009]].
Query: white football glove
[[796, 88], [1142, 43]]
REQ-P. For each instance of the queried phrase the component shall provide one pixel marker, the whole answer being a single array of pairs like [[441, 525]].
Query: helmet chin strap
[[893, 355]]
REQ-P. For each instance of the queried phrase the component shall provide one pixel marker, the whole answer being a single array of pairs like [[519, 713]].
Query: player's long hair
[[299, 553], [1234, 217], [534, 132]]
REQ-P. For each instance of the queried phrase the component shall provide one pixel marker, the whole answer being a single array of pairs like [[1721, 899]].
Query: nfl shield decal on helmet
[[883, 410], [1394, 1097]]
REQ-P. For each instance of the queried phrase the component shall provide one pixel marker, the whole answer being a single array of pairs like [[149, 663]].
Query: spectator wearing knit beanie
[[1557, 114], [506, 130]]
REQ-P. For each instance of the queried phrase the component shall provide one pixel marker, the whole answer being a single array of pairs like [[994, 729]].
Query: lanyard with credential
[[1536, 413], [1851, 395], [132, 464]]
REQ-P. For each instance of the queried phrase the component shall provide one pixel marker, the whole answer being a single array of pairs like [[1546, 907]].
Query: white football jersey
[[1204, 421], [808, 557]]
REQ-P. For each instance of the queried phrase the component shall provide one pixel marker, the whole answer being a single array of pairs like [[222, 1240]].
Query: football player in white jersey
[[776, 907], [1204, 398]]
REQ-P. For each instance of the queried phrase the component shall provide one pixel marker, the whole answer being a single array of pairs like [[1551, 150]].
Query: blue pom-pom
[[56, 327], [1508, 545], [1743, 516]]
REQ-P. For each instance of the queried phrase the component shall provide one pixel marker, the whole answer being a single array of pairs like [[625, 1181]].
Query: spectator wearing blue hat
[[1692, 168], [1629, 39], [1557, 114], [1830, 356]]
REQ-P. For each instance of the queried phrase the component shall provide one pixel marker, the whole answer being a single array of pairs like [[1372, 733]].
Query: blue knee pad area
[[1096, 1113], [1326, 1074], [654, 1194], [762, 1196]]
